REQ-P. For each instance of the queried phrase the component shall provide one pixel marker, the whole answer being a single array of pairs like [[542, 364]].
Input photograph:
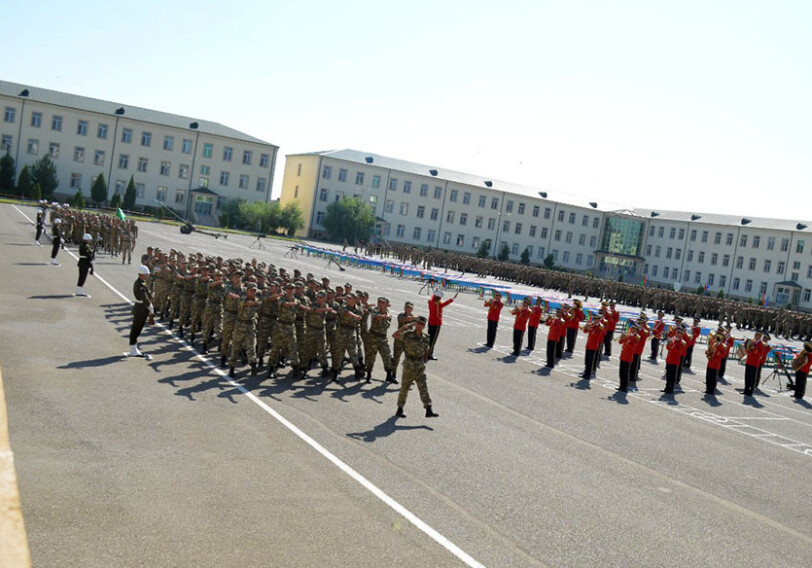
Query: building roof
[[441, 174], [726, 220], [204, 190], [136, 113], [364, 158]]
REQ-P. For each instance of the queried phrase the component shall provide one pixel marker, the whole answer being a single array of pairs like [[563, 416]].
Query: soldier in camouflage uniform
[[199, 301], [331, 320], [377, 339], [245, 330], [178, 279], [314, 334], [126, 240], [187, 297], [348, 317], [268, 311], [283, 342], [404, 317], [213, 312], [299, 324], [415, 348], [232, 297]]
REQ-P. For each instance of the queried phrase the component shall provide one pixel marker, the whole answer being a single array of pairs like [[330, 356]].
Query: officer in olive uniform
[[415, 348], [142, 309]]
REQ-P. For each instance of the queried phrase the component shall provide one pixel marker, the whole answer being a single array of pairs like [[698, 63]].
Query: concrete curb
[[13, 540]]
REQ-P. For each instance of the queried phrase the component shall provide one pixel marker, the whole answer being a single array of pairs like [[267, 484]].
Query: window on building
[[81, 128], [435, 213], [579, 258], [123, 161], [717, 238], [535, 211], [543, 233], [693, 235], [98, 158], [376, 182], [247, 157], [672, 233], [807, 294], [446, 238], [568, 237], [561, 216], [463, 218], [186, 146], [78, 154], [404, 208], [572, 218], [264, 160], [491, 223], [438, 192], [327, 172], [767, 265], [393, 184], [722, 280], [76, 181], [460, 240], [651, 230], [704, 236], [33, 146], [799, 247], [748, 285], [532, 231], [244, 182], [557, 235], [146, 139], [359, 178], [424, 190], [752, 265], [743, 241], [139, 190], [9, 114], [657, 250], [654, 270], [517, 229], [780, 267], [101, 131], [183, 171], [690, 255], [714, 258], [56, 123], [660, 232], [342, 175], [407, 186], [669, 252], [509, 206], [142, 165], [739, 262], [421, 211], [223, 178], [698, 278], [452, 196], [756, 241], [431, 236], [416, 234], [735, 284], [677, 254], [726, 260], [165, 168], [228, 152], [681, 234], [180, 195], [208, 150], [784, 245], [494, 203], [36, 119], [547, 212], [169, 143]]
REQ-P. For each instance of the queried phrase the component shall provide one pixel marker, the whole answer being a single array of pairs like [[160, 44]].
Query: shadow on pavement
[[51, 297], [384, 429], [93, 362]]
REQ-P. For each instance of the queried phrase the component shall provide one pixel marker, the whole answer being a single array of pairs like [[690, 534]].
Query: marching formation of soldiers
[[261, 315], [109, 233], [780, 322]]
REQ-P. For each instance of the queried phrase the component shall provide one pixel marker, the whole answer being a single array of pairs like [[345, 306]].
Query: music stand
[[258, 242], [429, 283], [776, 372], [291, 252]]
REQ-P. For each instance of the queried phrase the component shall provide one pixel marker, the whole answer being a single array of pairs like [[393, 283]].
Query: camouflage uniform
[[299, 323], [403, 319], [268, 311], [345, 339], [126, 245], [199, 303], [230, 306], [283, 341], [377, 341], [178, 277], [245, 332], [314, 337], [213, 313], [415, 348], [186, 300]]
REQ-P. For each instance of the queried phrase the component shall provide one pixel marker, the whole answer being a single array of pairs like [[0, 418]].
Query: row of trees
[[262, 217], [37, 182]]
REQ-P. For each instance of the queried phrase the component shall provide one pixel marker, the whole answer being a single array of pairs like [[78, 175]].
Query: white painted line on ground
[[363, 481]]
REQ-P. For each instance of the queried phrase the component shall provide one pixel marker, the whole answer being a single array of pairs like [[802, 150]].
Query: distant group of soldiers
[[110, 234], [781, 322], [249, 310]]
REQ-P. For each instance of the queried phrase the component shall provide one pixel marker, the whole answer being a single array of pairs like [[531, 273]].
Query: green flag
[[120, 214]]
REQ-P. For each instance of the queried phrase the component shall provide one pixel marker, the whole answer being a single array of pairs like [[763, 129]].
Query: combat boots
[[271, 371], [359, 373], [204, 347], [325, 371], [231, 372], [430, 413], [222, 360], [260, 363], [369, 376], [334, 375], [180, 330], [191, 337], [253, 369], [390, 377], [399, 413]]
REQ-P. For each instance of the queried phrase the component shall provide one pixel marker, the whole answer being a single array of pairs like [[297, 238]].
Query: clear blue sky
[[691, 105]]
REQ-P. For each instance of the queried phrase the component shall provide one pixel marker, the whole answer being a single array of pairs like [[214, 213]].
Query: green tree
[[98, 193], [720, 293], [25, 185], [6, 174], [504, 254], [525, 258], [129, 196], [115, 201], [349, 218], [36, 192], [43, 172], [290, 218], [484, 249], [79, 200], [549, 262]]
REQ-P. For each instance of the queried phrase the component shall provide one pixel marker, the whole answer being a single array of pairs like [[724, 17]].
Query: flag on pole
[[120, 214]]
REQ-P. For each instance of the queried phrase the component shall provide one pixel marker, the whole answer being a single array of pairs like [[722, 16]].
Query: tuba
[[799, 360]]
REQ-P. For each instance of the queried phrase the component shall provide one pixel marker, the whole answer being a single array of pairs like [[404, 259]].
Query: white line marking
[[368, 485]]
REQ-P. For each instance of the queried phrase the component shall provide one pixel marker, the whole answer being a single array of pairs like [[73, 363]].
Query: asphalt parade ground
[[125, 462]]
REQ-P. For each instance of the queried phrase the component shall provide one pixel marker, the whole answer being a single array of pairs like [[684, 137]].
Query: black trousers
[[572, 333], [679, 369], [686, 361], [39, 231], [518, 336], [552, 347], [434, 331], [711, 376], [55, 248], [607, 343], [655, 348], [635, 368], [84, 268], [800, 384], [531, 338], [625, 370], [670, 377], [750, 374], [722, 367], [139, 319], [491, 335], [559, 349], [589, 362]]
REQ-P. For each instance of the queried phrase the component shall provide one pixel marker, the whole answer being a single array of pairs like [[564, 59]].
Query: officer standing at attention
[[142, 309], [56, 240], [415, 348]]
